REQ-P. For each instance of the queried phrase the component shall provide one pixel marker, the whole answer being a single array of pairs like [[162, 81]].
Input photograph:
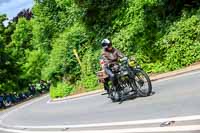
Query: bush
[[181, 45], [163, 35], [61, 90], [62, 60], [89, 83], [90, 64]]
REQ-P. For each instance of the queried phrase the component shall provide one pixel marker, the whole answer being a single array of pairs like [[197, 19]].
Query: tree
[[26, 13], [9, 70]]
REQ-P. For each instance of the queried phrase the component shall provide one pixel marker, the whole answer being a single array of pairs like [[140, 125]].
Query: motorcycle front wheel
[[142, 83], [114, 95]]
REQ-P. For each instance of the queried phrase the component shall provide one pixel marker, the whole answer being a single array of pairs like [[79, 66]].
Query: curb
[[152, 78], [77, 95], [176, 72]]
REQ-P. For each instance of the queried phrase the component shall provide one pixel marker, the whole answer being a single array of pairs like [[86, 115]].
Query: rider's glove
[[124, 59]]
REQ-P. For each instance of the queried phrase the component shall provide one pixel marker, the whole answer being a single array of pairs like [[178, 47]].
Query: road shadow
[[133, 97]]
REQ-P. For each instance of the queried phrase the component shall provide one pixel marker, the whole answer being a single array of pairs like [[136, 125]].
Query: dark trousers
[[111, 78]]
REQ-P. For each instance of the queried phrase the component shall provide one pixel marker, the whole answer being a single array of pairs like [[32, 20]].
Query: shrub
[[181, 45], [61, 90], [90, 64]]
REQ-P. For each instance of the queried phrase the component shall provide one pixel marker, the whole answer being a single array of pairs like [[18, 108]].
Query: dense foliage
[[59, 40]]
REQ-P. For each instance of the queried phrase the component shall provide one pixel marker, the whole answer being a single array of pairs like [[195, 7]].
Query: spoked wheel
[[143, 83], [114, 95]]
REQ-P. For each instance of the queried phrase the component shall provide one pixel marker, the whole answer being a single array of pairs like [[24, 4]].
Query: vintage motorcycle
[[131, 80]]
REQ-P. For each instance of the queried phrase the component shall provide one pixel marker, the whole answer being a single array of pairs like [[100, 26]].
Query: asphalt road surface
[[175, 106]]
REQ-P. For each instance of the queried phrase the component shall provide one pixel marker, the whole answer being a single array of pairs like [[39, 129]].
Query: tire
[[140, 79], [114, 95]]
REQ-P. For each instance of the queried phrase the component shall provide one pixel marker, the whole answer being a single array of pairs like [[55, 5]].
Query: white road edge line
[[94, 125], [138, 122], [73, 99], [130, 130]]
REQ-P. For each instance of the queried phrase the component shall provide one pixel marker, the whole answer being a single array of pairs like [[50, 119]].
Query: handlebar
[[124, 59]]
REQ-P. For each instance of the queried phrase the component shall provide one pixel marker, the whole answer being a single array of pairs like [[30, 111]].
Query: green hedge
[[61, 90]]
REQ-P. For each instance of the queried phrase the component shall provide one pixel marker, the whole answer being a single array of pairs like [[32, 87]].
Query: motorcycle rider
[[110, 56]]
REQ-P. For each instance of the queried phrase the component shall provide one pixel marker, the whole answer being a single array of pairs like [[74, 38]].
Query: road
[[176, 99]]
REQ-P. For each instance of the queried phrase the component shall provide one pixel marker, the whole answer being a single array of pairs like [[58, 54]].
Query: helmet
[[106, 43]]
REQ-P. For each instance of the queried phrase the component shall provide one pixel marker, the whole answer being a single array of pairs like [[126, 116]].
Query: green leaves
[[62, 61], [22, 34], [61, 90], [181, 43], [162, 35]]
